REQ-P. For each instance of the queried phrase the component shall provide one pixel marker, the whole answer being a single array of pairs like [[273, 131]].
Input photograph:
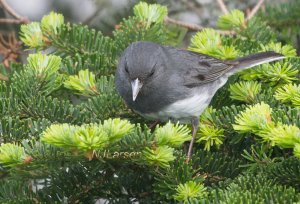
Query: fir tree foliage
[[190, 190], [159, 156], [52, 23], [235, 20], [254, 119], [289, 93], [209, 42], [12, 154], [210, 135], [172, 135], [31, 35], [87, 137], [150, 13], [245, 91], [64, 125], [83, 83]]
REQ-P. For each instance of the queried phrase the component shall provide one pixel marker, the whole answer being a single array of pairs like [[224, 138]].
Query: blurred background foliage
[[104, 15]]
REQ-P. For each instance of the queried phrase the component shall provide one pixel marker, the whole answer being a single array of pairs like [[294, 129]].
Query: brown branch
[[10, 20], [93, 16], [189, 26], [193, 27], [12, 12], [9, 9], [255, 9], [222, 6]]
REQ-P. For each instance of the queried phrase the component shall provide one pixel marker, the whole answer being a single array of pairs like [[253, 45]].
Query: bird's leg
[[195, 125]]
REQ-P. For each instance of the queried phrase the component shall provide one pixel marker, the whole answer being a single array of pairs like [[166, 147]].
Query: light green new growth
[[284, 136], [90, 137], [190, 190], [275, 74], [286, 50], [234, 20], [117, 128], [85, 137], [172, 135], [151, 13], [283, 72], [52, 22], [11, 154], [209, 42], [297, 150], [253, 119], [160, 156], [207, 116], [257, 119], [84, 83], [225, 52], [43, 65], [31, 35], [60, 135], [289, 93], [245, 91], [210, 135], [206, 41]]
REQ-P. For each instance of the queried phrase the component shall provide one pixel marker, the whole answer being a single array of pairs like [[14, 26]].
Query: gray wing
[[198, 68]]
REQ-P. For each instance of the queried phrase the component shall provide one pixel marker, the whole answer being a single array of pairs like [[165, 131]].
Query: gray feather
[[170, 74], [253, 60]]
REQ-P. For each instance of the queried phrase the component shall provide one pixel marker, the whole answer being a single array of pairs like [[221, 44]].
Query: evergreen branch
[[285, 172], [254, 189]]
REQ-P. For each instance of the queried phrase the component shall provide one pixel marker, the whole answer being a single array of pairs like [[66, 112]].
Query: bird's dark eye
[[126, 69], [151, 73]]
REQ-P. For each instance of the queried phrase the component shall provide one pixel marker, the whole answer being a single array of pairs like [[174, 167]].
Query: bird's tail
[[253, 60]]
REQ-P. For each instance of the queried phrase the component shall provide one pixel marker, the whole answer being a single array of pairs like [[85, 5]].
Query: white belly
[[182, 110]]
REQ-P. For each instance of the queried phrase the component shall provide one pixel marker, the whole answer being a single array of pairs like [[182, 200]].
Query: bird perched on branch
[[164, 83]]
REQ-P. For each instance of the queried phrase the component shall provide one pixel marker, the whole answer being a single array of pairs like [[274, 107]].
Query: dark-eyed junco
[[165, 83]]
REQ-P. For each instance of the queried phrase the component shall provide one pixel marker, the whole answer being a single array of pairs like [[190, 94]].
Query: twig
[[255, 9], [189, 26], [9, 9], [13, 13], [193, 27], [93, 16], [222, 6], [10, 20]]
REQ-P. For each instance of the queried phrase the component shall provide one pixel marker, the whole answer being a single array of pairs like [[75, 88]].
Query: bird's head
[[140, 64]]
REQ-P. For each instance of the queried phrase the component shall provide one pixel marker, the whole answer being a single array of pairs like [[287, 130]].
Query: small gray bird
[[164, 83]]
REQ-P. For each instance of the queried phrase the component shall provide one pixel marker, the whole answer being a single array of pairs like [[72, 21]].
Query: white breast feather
[[185, 109], [182, 110]]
